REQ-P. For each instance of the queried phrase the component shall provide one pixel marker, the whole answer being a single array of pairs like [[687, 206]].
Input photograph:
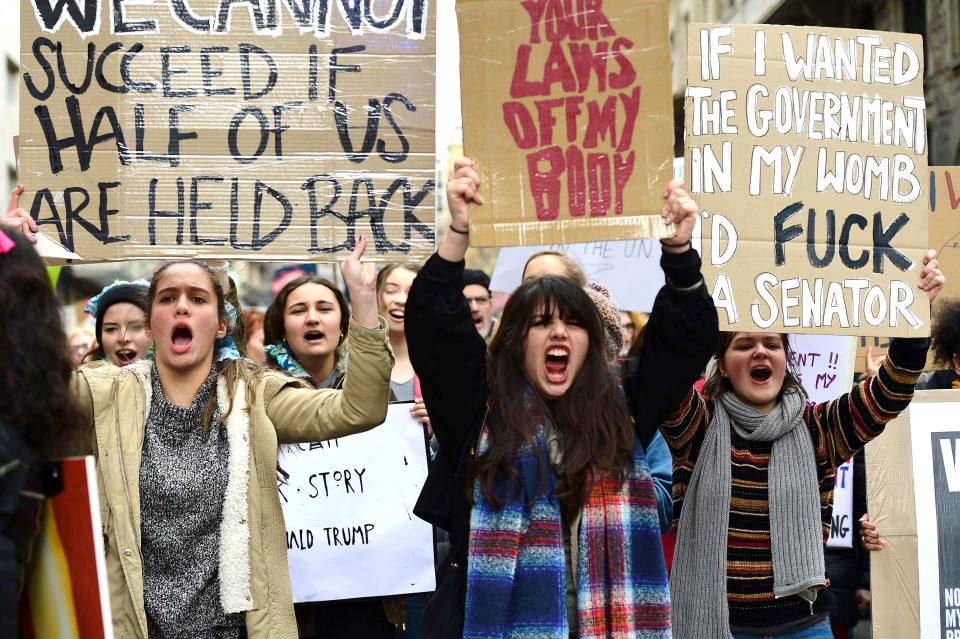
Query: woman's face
[[544, 265], [393, 297], [124, 333], [756, 364], [78, 348], [554, 352], [627, 323], [255, 345], [184, 323], [311, 322]]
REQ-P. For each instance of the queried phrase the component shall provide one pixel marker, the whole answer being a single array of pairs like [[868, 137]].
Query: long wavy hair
[[35, 397], [716, 385], [231, 370], [273, 330], [590, 418]]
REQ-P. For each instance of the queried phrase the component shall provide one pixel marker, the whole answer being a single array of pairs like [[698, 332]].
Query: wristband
[[671, 244], [456, 230]]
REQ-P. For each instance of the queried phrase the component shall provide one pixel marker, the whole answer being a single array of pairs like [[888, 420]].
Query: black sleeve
[[679, 338], [448, 355]]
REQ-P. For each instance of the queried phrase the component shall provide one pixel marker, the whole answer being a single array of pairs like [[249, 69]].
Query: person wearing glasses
[[476, 288]]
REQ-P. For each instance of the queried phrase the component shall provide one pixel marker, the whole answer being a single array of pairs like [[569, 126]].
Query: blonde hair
[[571, 269]]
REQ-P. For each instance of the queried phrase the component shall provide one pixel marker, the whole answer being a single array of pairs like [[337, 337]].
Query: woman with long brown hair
[[541, 478]]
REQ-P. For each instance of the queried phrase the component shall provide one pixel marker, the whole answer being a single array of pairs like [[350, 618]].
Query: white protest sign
[[348, 507], [935, 441], [825, 365], [841, 528], [630, 269]]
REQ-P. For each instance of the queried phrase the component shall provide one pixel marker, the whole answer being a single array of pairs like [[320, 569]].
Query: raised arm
[[445, 348], [311, 415], [683, 329], [847, 423], [304, 415]]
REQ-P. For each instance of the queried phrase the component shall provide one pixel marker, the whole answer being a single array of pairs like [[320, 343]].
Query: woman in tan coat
[[187, 452]]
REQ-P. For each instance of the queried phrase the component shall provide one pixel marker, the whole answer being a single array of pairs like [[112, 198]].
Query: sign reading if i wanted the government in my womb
[[254, 129], [348, 506], [806, 151]]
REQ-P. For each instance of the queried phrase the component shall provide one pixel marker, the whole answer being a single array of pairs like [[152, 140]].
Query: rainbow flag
[[65, 593]]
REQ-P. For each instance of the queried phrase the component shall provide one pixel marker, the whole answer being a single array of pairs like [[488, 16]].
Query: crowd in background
[[585, 479]]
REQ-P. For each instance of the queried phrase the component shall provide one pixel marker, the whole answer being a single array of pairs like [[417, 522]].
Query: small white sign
[[841, 527], [630, 269], [348, 507]]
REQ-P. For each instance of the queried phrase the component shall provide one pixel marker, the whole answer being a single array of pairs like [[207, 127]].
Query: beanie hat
[[610, 315], [130, 292], [476, 276]]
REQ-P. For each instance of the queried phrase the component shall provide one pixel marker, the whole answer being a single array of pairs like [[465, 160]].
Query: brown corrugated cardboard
[[250, 130], [567, 110], [782, 126]]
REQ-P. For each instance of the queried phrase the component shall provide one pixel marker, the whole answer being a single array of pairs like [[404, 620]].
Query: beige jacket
[[254, 574]]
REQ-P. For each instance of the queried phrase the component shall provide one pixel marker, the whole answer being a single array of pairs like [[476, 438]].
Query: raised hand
[[681, 210], [361, 281], [462, 191], [931, 278], [17, 219], [869, 535], [872, 365]]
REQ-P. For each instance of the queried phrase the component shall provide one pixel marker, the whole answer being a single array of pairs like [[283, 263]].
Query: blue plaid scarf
[[515, 569]]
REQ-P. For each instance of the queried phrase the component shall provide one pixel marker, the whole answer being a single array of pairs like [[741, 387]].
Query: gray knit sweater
[[183, 478]]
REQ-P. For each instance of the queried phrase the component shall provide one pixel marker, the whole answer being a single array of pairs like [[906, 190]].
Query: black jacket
[[26, 478], [450, 359], [849, 568]]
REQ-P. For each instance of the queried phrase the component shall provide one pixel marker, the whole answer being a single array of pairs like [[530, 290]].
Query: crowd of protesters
[[567, 436]]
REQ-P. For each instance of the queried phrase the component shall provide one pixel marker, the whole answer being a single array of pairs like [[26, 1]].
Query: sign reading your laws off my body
[[806, 149], [567, 110], [258, 129]]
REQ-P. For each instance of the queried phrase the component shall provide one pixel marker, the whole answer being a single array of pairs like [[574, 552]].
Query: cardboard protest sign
[[944, 191], [806, 149], [914, 493], [348, 507], [567, 109], [841, 522], [630, 269], [270, 130], [65, 591]]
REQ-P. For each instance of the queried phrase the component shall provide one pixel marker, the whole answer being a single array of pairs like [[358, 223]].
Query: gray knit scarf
[[698, 584]]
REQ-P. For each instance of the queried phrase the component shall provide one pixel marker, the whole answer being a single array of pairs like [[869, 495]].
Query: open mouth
[[761, 374], [313, 336], [396, 315], [478, 319], [125, 357], [181, 338], [555, 365]]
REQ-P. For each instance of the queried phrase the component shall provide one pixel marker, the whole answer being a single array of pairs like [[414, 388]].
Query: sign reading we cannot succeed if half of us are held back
[[567, 109], [806, 149], [260, 129]]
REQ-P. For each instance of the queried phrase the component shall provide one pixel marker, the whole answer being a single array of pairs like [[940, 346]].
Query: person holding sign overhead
[[754, 469], [187, 453], [541, 478]]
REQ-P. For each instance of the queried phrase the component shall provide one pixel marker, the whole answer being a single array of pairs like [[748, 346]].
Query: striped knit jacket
[[838, 429]]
